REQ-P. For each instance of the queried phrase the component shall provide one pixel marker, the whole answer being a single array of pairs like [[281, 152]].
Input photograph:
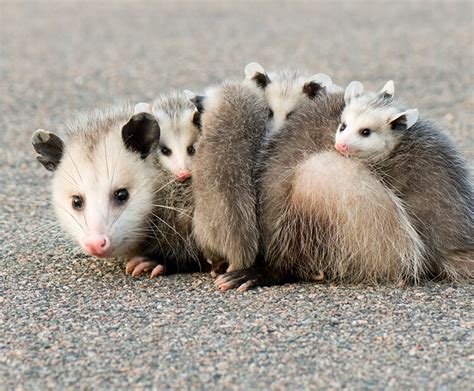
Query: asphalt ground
[[71, 321]]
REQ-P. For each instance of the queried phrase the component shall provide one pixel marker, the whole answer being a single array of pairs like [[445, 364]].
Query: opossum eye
[[365, 132], [290, 114], [343, 126], [121, 195], [270, 113], [77, 202], [191, 150], [165, 151]]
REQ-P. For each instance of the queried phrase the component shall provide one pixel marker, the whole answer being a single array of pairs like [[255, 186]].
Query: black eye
[[121, 195], [191, 150], [77, 202], [343, 126], [270, 113], [165, 151], [289, 114], [365, 132]]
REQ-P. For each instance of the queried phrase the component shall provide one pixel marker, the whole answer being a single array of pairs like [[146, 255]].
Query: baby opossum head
[[285, 90], [371, 123], [179, 132], [103, 186]]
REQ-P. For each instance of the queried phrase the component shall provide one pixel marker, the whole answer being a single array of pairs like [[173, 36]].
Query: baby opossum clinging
[[286, 90], [179, 131], [232, 118], [111, 194], [401, 210]]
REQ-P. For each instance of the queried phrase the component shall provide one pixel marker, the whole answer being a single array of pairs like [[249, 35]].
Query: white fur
[[95, 176]]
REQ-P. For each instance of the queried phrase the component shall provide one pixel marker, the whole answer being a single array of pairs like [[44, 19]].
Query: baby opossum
[[419, 162], [286, 90], [179, 131], [232, 117], [111, 194], [324, 215]]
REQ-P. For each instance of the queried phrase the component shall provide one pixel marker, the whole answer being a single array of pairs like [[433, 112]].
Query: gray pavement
[[68, 320]]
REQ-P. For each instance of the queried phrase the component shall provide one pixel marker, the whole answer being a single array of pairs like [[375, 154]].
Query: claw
[[132, 264], [143, 267], [157, 271]]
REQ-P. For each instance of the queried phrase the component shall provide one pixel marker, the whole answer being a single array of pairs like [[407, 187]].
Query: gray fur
[[225, 221]]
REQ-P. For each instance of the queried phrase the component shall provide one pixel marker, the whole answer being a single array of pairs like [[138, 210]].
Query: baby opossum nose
[[343, 148], [97, 246], [183, 175]]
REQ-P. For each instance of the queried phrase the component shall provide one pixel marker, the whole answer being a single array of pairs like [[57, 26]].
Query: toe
[[157, 271]]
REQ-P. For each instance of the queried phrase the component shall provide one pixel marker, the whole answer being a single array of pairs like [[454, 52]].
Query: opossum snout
[[97, 245], [183, 175], [342, 148]]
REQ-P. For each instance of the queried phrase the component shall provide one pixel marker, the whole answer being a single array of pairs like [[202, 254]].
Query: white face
[[177, 143], [103, 197], [365, 132], [283, 99]]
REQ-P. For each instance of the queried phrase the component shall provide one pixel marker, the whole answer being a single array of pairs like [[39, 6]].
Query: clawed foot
[[242, 280], [139, 265], [218, 268]]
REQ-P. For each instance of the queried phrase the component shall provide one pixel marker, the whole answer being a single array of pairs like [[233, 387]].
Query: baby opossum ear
[[197, 119], [388, 89], [316, 84], [255, 72], [353, 90], [405, 120], [49, 147], [196, 100], [141, 133], [143, 108]]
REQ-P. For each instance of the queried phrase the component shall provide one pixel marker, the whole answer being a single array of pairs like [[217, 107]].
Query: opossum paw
[[242, 280], [317, 277], [218, 268], [139, 265]]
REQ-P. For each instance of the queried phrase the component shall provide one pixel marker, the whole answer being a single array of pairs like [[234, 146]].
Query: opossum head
[[103, 186], [286, 90], [179, 133], [371, 123]]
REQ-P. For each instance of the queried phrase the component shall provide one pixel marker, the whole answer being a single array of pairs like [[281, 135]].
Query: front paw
[[139, 265]]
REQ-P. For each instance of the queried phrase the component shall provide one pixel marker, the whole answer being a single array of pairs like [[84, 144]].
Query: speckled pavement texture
[[70, 321]]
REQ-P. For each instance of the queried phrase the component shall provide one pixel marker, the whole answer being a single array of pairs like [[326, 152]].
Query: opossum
[[110, 192], [232, 117], [179, 131], [420, 163], [324, 215], [286, 90]]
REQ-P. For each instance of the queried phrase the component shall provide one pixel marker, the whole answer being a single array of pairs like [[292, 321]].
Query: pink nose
[[343, 148], [183, 175], [97, 246]]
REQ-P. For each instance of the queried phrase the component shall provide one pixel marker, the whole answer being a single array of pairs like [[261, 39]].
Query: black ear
[[49, 147], [261, 79], [141, 133], [197, 119], [312, 89], [399, 123], [198, 101]]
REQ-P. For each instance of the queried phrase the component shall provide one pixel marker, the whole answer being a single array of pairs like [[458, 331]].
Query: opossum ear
[[388, 89], [197, 119], [196, 100], [49, 147], [255, 72], [316, 84], [141, 133], [405, 120], [143, 108], [353, 90]]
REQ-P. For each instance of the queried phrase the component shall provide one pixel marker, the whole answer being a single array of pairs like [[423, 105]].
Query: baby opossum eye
[[365, 132], [342, 127], [165, 151], [77, 202], [121, 195], [290, 114], [191, 150], [270, 113]]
